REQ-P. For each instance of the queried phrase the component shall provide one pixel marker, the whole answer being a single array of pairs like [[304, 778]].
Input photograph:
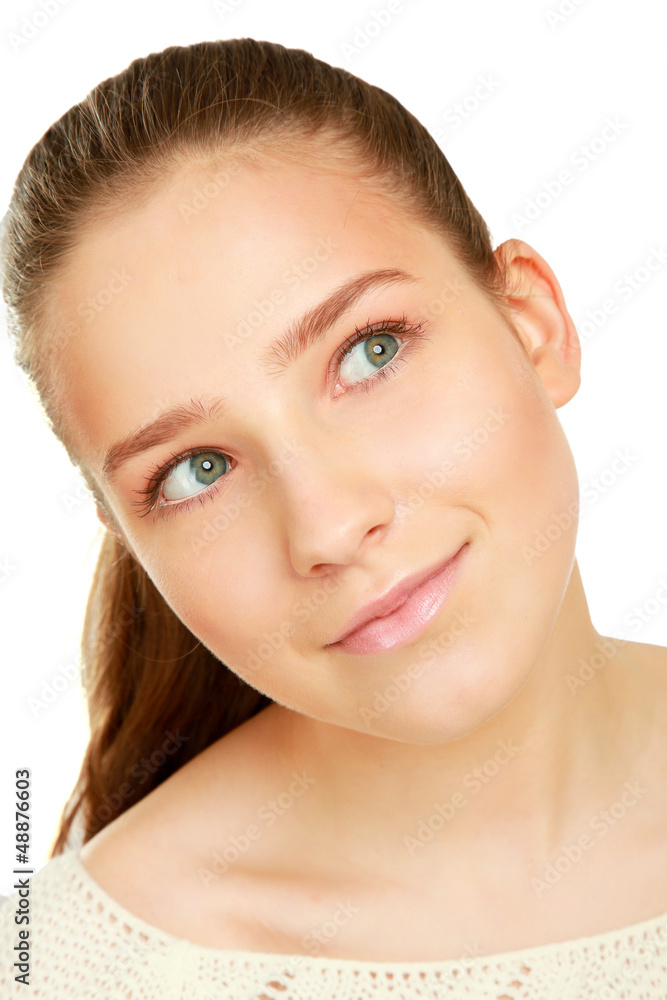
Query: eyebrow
[[311, 328]]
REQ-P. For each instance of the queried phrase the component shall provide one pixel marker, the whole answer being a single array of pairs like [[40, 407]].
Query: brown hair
[[149, 682]]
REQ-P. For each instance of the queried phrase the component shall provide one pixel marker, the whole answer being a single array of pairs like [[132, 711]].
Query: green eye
[[198, 471], [368, 356]]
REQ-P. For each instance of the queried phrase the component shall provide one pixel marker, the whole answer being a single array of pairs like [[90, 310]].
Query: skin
[[337, 524]]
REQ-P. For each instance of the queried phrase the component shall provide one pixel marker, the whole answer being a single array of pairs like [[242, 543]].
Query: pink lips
[[402, 613]]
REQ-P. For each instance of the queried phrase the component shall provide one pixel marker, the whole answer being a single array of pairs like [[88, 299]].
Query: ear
[[537, 309], [106, 521], [109, 523]]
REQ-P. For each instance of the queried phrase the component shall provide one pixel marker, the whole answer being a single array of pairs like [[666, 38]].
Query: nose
[[333, 508]]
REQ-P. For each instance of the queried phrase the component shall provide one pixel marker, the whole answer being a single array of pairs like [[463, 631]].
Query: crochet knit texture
[[85, 946]]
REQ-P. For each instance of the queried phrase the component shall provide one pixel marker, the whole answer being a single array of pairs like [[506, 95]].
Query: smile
[[410, 618]]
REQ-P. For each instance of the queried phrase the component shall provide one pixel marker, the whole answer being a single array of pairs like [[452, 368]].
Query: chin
[[451, 698]]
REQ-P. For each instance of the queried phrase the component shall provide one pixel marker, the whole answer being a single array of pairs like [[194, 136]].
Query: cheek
[[482, 435], [215, 577], [481, 452], [512, 474]]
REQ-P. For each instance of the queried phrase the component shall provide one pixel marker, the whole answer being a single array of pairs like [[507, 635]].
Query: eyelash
[[158, 475]]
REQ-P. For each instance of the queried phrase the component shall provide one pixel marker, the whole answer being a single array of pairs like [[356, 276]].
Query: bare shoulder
[[652, 654], [163, 859], [648, 660], [644, 670], [644, 667]]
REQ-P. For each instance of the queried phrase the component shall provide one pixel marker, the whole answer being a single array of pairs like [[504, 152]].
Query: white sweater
[[84, 946]]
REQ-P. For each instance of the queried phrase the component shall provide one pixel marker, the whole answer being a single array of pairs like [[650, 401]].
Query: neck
[[518, 786]]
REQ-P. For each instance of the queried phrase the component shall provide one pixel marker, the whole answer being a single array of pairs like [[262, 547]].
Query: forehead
[[154, 295], [207, 212]]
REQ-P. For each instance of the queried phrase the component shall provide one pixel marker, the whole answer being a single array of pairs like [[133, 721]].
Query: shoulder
[[163, 859], [640, 673], [66, 937], [647, 664], [57, 879]]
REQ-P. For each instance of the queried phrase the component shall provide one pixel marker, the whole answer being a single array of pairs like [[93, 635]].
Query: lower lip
[[411, 619]]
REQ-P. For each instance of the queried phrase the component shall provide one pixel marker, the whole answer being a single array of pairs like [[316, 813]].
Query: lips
[[393, 599]]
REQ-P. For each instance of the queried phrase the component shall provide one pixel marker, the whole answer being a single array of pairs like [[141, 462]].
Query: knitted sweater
[[84, 946]]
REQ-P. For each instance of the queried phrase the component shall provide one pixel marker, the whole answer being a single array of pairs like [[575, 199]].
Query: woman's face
[[307, 486]]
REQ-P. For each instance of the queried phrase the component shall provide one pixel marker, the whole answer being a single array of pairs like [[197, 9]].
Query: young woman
[[353, 730]]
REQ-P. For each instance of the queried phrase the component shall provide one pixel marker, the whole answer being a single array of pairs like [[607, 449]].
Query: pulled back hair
[[150, 685]]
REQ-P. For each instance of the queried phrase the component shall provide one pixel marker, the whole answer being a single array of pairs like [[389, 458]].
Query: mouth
[[404, 612]]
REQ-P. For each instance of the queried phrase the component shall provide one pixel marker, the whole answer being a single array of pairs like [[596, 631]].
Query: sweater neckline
[[72, 860]]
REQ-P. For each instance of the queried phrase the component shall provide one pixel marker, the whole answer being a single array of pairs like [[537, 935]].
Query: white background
[[552, 82]]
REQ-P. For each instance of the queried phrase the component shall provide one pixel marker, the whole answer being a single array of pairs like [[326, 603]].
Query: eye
[[367, 356], [195, 473], [364, 360]]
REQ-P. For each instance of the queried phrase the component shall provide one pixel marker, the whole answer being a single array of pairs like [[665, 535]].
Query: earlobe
[[104, 519], [538, 311], [111, 526]]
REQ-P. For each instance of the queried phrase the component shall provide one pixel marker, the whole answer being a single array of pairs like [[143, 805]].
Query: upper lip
[[392, 600]]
